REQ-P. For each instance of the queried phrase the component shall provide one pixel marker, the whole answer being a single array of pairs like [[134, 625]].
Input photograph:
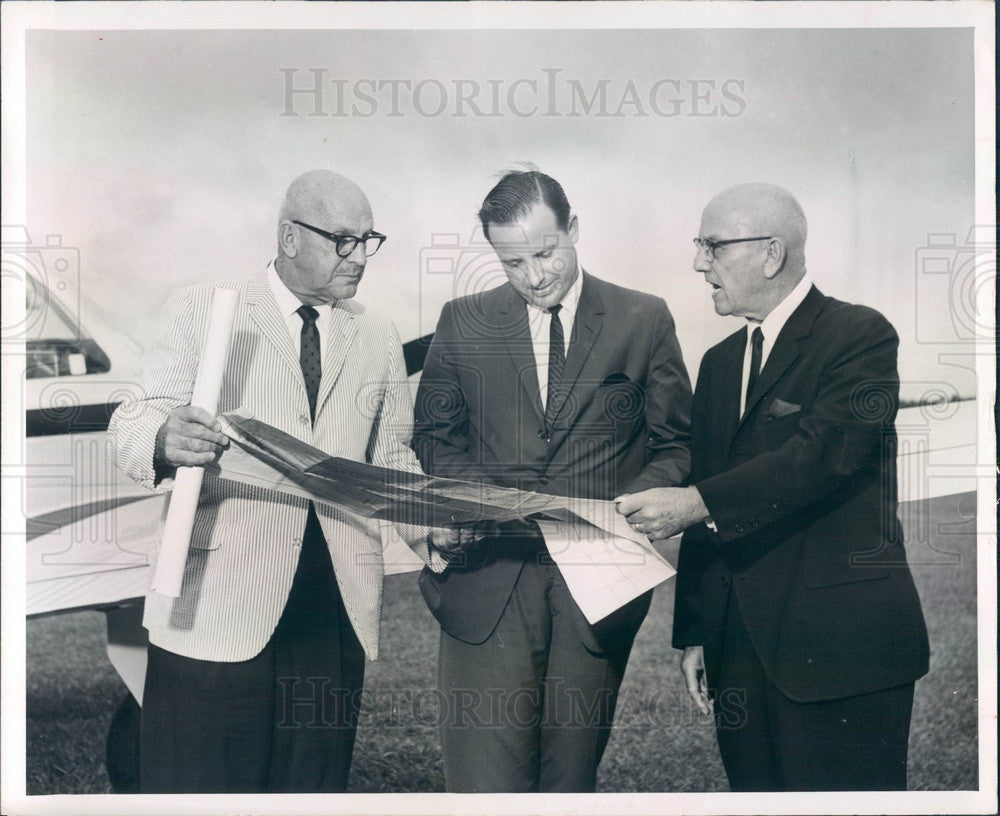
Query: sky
[[163, 157]]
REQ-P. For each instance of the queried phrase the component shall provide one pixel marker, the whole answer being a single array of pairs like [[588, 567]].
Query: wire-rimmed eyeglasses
[[711, 246]]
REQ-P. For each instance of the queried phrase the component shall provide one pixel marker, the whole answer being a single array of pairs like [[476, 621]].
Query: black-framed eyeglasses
[[346, 244], [711, 246]]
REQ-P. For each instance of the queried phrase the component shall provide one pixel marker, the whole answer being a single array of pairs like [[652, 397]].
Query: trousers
[[531, 708], [769, 742], [282, 722]]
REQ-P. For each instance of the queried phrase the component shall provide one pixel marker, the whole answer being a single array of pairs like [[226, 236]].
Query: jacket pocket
[[780, 408], [620, 400], [824, 575], [617, 378]]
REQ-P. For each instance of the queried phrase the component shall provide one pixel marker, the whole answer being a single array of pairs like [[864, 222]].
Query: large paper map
[[605, 563]]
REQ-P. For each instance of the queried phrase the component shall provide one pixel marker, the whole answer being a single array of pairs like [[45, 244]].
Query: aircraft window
[[44, 318], [55, 345]]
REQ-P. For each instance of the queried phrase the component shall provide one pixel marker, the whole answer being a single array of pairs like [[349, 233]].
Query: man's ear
[[573, 228], [777, 252], [288, 239]]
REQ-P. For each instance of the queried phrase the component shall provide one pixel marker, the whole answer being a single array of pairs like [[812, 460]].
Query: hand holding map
[[605, 563]]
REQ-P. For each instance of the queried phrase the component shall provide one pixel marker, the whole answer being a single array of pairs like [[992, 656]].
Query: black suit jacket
[[622, 424], [802, 489]]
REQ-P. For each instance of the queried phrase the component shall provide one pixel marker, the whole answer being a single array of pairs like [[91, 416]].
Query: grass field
[[660, 742]]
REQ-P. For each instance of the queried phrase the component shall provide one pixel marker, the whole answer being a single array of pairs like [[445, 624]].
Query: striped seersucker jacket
[[246, 540]]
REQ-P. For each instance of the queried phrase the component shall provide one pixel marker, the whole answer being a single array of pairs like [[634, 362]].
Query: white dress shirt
[[540, 321], [771, 327], [289, 304]]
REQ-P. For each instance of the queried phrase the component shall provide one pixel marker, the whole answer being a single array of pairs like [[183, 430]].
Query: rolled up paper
[[176, 540]]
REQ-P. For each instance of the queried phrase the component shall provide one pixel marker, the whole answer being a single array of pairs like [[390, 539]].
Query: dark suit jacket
[[803, 492], [622, 425]]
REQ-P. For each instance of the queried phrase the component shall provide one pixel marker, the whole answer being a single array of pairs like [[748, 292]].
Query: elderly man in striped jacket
[[255, 671]]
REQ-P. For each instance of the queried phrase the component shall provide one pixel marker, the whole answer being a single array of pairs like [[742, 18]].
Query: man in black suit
[[561, 383], [794, 598]]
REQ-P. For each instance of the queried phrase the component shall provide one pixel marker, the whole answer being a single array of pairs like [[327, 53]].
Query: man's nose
[[702, 263], [358, 255], [535, 273]]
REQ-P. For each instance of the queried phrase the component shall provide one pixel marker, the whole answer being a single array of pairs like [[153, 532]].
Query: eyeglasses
[[711, 246], [346, 244]]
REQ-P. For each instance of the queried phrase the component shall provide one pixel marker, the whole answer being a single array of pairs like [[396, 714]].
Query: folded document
[[604, 561]]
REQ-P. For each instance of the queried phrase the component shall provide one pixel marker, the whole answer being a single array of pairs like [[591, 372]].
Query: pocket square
[[614, 379], [780, 408]]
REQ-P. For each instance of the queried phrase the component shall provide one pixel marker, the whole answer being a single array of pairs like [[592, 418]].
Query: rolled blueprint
[[187, 484]]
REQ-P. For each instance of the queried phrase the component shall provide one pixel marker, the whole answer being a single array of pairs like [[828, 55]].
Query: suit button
[[754, 523], [544, 479], [303, 419], [739, 528], [296, 542], [774, 505]]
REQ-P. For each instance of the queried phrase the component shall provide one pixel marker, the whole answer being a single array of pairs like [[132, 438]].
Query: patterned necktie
[[309, 357], [557, 359], [756, 352]]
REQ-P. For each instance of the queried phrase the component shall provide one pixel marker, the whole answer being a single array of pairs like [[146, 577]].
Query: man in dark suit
[[560, 383], [794, 598]]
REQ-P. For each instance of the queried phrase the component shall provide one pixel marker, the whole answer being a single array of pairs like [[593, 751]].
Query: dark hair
[[516, 193]]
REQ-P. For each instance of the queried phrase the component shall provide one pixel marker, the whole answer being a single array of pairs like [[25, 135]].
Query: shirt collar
[[772, 325], [288, 302]]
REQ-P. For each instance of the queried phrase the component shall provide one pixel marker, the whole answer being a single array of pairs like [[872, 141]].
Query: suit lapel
[[584, 332], [343, 331], [730, 386], [513, 318], [786, 347], [264, 312]]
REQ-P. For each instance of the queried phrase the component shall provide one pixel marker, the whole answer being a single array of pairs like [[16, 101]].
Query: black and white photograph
[[579, 407]]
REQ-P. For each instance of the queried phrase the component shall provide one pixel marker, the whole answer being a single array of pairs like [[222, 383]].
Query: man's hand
[[662, 512], [693, 667], [190, 436], [452, 542]]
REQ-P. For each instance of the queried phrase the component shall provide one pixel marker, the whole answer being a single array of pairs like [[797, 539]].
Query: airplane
[[89, 530]]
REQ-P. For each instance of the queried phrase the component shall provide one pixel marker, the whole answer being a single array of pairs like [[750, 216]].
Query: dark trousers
[[531, 708], [769, 742], [283, 721]]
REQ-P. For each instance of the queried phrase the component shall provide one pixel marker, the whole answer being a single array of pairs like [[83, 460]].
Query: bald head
[[759, 233], [307, 262], [765, 209], [321, 197]]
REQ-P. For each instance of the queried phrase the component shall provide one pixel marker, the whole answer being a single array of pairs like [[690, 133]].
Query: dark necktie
[[557, 360], [756, 352], [309, 357]]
